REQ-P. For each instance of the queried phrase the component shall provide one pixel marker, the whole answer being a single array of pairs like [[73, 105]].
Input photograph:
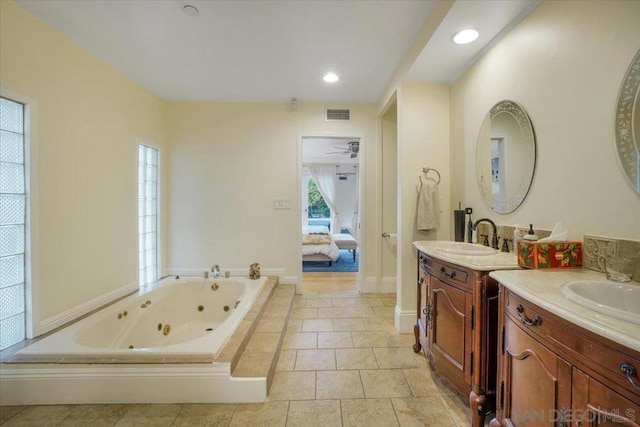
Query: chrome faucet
[[215, 270], [494, 239]]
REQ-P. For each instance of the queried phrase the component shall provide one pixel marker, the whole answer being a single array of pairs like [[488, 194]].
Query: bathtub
[[157, 345], [177, 316]]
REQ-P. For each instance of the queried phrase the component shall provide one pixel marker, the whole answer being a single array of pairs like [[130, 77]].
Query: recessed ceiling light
[[190, 10], [465, 36], [330, 78]]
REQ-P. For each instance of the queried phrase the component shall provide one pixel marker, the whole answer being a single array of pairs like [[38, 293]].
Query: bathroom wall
[[389, 185], [230, 160], [564, 64], [423, 141], [88, 121]]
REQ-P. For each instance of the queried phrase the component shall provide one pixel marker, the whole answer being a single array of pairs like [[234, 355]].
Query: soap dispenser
[[531, 235]]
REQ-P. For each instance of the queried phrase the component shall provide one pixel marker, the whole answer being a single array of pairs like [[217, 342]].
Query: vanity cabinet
[[552, 372], [594, 404], [424, 309], [456, 328]]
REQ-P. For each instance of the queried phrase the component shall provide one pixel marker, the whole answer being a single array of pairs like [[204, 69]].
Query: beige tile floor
[[342, 364]]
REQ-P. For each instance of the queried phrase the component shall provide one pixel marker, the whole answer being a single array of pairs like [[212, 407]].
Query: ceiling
[[327, 150], [273, 51], [442, 61]]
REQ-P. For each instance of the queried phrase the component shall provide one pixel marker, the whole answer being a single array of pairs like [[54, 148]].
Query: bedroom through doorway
[[330, 214]]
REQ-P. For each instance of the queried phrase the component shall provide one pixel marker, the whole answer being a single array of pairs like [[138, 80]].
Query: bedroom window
[[317, 206], [147, 214], [12, 223]]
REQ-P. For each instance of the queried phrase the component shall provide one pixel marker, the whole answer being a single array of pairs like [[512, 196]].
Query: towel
[[428, 206]]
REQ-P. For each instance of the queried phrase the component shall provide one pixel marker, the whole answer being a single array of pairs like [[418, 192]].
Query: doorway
[[331, 255]]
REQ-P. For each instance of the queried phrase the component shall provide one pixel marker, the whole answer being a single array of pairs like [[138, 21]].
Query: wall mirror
[[505, 156], [628, 124]]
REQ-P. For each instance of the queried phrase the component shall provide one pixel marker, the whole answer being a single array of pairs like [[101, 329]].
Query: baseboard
[[85, 384], [404, 320], [389, 285], [386, 285], [72, 314], [289, 280]]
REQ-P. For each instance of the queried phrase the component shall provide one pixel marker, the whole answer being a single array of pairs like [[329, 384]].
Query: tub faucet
[[215, 270], [494, 238]]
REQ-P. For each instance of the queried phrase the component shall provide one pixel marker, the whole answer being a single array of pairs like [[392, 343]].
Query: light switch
[[281, 204]]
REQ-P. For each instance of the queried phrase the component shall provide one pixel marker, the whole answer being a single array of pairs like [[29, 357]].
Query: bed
[[318, 245]]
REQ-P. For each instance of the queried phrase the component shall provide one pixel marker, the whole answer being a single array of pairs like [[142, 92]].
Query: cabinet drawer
[[596, 355], [449, 272]]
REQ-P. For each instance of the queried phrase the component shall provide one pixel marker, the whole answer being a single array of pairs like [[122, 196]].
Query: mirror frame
[[628, 138], [523, 187]]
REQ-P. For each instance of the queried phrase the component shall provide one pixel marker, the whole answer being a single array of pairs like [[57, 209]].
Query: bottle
[[530, 236]]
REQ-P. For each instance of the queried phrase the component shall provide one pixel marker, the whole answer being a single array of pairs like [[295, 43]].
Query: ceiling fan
[[352, 149]]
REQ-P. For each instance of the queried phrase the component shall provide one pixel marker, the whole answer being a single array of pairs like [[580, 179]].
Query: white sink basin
[[462, 248], [619, 300]]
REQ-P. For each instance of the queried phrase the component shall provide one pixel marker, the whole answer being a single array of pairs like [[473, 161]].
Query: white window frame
[[33, 327], [157, 213]]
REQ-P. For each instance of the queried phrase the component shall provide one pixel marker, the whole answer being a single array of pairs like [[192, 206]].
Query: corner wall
[[564, 64], [90, 119], [389, 194], [423, 141]]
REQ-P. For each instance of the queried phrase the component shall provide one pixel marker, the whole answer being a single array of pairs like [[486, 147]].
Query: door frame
[[361, 195]]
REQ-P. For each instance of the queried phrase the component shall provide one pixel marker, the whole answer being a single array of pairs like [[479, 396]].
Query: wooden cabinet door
[[450, 338], [536, 383], [594, 404], [423, 283], [422, 291]]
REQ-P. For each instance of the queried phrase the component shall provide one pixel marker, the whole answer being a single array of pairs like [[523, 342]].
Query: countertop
[[542, 287], [497, 261]]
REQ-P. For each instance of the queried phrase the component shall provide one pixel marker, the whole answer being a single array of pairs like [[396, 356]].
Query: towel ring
[[426, 170]]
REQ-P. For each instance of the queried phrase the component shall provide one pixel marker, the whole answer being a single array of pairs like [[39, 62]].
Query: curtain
[[355, 220], [325, 178]]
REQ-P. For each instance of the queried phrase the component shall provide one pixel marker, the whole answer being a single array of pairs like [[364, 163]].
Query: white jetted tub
[[164, 339]]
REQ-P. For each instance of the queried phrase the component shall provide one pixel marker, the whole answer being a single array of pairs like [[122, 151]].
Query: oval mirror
[[628, 124], [505, 156]]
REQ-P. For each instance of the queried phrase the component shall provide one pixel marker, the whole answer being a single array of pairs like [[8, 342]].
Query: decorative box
[[554, 254]]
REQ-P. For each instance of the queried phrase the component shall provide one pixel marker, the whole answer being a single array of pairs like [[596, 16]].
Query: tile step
[[258, 358]]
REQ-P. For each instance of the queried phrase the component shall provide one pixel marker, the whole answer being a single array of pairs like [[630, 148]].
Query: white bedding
[[331, 250]]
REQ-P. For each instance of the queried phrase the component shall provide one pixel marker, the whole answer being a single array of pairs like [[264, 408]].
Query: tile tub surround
[[357, 329], [175, 379]]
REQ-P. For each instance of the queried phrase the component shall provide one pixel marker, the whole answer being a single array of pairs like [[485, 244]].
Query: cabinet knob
[[631, 373]]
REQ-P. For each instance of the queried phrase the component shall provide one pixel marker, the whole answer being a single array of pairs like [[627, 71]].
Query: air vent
[[333, 114]]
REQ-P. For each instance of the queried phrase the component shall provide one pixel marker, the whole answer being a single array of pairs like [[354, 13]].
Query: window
[[147, 214], [12, 223], [317, 206]]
